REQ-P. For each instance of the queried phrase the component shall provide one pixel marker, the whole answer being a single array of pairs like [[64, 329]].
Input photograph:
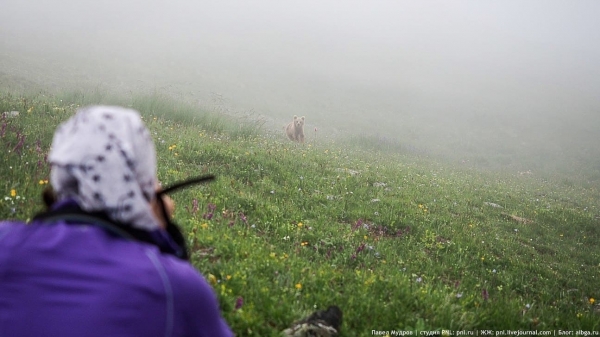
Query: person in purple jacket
[[105, 259]]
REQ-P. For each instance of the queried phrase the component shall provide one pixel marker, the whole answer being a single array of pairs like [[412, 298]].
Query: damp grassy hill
[[398, 241]]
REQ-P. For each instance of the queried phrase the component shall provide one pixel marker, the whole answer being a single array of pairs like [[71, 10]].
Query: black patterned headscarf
[[104, 158]]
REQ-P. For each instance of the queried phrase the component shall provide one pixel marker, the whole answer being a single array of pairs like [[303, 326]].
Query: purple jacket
[[78, 280]]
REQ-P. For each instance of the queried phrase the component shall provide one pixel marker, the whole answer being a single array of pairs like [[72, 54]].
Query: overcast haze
[[455, 77]]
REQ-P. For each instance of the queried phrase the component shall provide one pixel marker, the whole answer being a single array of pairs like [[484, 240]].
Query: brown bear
[[295, 130]]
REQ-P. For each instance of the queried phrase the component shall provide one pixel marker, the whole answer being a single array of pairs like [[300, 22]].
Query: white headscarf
[[104, 158]]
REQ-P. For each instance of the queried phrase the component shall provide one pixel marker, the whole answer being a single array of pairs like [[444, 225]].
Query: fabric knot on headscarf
[[104, 158]]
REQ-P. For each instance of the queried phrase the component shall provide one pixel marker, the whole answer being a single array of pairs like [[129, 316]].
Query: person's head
[[104, 158]]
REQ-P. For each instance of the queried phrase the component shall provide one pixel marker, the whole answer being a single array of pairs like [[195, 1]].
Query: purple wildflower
[[194, 206], [239, 302], [485, 294], [212, 207], [357, 225], [243, 217], [19, 145], [360, 248]]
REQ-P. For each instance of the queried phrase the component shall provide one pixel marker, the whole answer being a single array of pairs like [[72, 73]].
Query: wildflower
[[204, 225], [243, 217], [494, 271], [459, 295], [253, 226], [212, 279], [484, 294], [172, 147], [194, 206], [579, 315], [299, 224], [592, 300], [527, 306], [43, 182], [273, 255], [298, 286], [419, 279], [13, 193], [228, 277], [286, 238], [239, 302], [304, 243]]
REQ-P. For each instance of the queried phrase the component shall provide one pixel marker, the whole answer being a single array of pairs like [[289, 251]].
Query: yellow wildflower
[[299, 224], [212, 278], [298, 286], [13, 193], [204, 225], [592, 300], [228, 277]]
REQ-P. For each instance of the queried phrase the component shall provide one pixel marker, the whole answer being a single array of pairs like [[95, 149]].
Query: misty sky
[[432, 62]]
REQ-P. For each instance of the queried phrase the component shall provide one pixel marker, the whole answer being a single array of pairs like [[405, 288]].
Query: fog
[[493, 83]]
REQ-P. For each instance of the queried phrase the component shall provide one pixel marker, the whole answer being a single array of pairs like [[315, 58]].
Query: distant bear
[[295, 130]]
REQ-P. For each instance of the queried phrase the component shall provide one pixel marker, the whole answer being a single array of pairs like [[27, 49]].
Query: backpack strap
[[74, 215], [90, 220]]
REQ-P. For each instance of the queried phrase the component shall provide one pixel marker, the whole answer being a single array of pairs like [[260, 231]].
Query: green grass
[[396, 239]]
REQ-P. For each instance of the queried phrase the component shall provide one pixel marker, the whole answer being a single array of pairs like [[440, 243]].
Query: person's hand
[[169, 207]]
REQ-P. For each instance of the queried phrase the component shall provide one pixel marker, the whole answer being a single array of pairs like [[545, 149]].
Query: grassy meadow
[[398, 240]]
